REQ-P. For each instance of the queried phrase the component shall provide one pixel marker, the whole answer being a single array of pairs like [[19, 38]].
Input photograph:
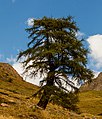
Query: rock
[[96, 84], [4, 105]]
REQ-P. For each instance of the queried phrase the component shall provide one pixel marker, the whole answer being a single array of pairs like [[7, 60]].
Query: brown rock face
[[96, 84]]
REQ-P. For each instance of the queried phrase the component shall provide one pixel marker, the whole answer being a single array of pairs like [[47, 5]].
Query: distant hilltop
[[8, 73], [96, 84]]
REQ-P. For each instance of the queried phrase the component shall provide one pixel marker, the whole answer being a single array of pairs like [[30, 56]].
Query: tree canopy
[[55, 50]]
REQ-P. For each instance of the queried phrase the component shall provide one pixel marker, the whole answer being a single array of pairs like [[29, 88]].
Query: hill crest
[[7, 72]]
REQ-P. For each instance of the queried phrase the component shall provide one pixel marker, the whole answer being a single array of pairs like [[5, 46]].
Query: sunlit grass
[[91, 102], [14, 93]]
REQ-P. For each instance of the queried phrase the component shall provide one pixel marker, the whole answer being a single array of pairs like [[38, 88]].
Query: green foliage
[[66, 100], [55, 50]]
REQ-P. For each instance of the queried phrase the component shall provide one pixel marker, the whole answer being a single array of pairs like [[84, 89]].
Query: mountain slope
[[96, 84], [13, 92], [91, 97], [14, 102], [10, 80], [91, 102]]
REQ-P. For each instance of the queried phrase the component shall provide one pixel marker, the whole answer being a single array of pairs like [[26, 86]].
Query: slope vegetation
[[15, 104], [91, 97]]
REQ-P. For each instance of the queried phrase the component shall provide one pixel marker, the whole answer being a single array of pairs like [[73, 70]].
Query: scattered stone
[[4, 105], [12, 102]]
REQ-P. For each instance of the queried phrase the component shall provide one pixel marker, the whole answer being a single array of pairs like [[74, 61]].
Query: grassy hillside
[[91, 102], [15, 105], [91, 97]]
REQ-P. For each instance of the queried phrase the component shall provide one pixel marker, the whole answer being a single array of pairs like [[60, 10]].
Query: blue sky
[[15, 13]]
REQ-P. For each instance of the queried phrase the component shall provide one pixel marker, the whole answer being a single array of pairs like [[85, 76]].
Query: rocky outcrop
[[96, 84]]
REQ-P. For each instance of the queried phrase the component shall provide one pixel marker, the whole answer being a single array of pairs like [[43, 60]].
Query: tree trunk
[[47, 91], [46, 94], [44, 99]]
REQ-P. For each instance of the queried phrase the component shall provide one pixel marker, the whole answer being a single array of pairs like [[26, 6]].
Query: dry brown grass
[[4, 117], [91, 102], [15, 92]]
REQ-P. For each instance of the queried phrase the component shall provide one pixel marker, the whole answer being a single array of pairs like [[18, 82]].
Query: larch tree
[[55, 50]]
